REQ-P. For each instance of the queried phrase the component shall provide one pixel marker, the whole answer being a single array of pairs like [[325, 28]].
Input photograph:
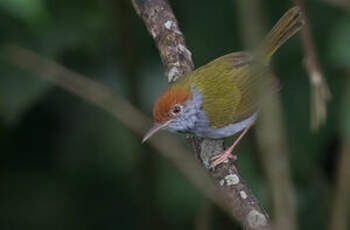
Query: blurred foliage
[[68, 165], [26, 10]]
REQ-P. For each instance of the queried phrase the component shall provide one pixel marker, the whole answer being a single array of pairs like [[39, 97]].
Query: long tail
[[290, 23]]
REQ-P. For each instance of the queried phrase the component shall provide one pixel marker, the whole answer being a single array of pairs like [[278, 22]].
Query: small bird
[[221, 98]]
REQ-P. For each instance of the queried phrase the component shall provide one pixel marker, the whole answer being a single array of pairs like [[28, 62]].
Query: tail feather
[[290, 23]]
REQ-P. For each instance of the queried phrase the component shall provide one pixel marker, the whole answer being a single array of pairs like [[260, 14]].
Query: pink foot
[[222, 157], [225, 156]]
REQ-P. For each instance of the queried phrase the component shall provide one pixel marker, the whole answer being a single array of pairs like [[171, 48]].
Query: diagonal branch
[[163, 27], [103, 97]]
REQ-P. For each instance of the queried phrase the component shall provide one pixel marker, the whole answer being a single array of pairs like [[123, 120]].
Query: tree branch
[[320, 93], [163, 27]]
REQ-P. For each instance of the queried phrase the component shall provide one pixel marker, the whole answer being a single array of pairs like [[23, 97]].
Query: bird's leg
[[226, 155]]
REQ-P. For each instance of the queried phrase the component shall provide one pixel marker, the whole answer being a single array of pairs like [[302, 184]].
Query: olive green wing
[[229, 87]]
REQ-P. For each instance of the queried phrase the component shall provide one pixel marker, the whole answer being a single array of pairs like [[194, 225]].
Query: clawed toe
[[221, 158]]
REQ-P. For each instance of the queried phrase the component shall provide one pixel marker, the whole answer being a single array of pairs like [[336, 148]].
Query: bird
[[222, 98]]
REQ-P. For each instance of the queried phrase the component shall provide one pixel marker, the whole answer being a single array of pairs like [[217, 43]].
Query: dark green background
[[66, 164]]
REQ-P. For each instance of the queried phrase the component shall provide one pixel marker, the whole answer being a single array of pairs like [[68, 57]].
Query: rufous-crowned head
[[172, 111]]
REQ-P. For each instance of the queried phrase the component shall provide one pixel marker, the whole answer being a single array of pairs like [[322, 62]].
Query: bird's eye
[[176, 109]]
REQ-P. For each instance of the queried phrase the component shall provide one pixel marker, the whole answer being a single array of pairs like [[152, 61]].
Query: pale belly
[[202, 129]]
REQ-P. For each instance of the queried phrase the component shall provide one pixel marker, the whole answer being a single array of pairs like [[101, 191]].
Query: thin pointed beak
[[153, 130]]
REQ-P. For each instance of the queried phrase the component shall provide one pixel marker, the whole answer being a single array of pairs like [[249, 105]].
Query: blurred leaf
[[25, 9]]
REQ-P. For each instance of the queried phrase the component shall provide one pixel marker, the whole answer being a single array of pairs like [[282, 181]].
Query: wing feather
[[229, 86]]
